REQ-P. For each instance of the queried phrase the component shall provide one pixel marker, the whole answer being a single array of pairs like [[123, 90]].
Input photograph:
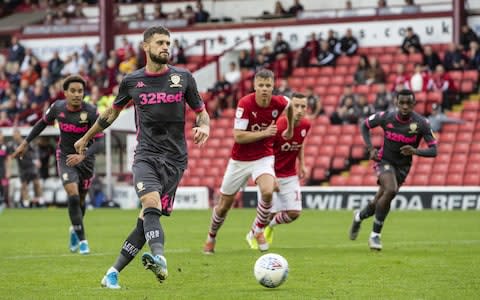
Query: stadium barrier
[[408, 198]]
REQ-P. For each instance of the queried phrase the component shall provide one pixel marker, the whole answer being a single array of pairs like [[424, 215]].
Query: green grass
[[427, 255]]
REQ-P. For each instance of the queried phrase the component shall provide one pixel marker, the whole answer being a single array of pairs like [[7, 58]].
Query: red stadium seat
[[470, 75], [335, 90], [338, 80], [453, 128], [454, 179], [435, 97], [315, 139], [319, 173], [342, 151], [447, 137], [466, 87], [471, 179], [437, 179], [471, 106], [341, 70], [456, 168], [423, 168], [354, 180], [345, 139], [344, 61], [464, 137], [338, 180], [475, 147], [323, 80], [370, 180], [456, 75], [330, 139], [299, 72], [461, 148], [310, 81], [420, 179], [339, 163], [440, 168], [323, 161], [320, 90], [358, 170], [446, 147], [470, 116], [358, 152]]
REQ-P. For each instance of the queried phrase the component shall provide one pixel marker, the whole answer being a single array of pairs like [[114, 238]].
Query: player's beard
[[158, 59]]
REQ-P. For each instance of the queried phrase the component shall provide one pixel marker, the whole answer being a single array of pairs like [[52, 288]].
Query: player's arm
[[373, 121], [301, 162], [104, 121], [201, 131], [288, 134], [36, 130], [241, 136]]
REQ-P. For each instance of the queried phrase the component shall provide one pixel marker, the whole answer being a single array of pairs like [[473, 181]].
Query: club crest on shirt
[[413, 128], [387, 167], [175, 80], [274, 113], [83, 117], [239, 112], [65, 176], [140, 186], [303, 132]]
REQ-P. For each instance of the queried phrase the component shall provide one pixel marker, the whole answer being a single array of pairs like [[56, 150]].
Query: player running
[[403, 131]]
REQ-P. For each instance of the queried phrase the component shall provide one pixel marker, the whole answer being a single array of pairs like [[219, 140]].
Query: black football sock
[[367, 211], [380, 216], [76, 218], [131, 246], [153, 230]]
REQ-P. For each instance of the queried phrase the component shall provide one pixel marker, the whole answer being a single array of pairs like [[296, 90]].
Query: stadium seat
[[456, 168], [440, 168], [320, 90], [423, 168], [470, 75], [358, 170], [471, 179], [343, 61], [339, 163], [461, 148], [475, 146], [454, 179], [315, 139], [420, 179], [446, 147], [338, 80], [464, 137], [471, 106], [309, 81], [299, 72], [466, 87], [345, 139], [369, 180], [437, 179], [338, 180], [341, 70], [435, 97], [354, 180], [453, 128], [323, 161], [334, 90], [319, 173], [456, 75], [447, 137], [318, 129], [358, 152], [342, 150], [323, 80]]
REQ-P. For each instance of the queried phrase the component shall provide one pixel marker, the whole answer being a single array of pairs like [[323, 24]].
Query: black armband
[[103, 123], [36, 130]]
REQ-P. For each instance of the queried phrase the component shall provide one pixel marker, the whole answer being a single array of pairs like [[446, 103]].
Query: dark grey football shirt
[[398, 133], [160, 102], [72, 123]]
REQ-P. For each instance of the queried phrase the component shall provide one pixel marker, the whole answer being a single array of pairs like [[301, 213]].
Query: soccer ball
[[271, 270]]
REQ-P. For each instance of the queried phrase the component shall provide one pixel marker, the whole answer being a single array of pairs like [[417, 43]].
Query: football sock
[[215, 224], [76, 217], [366, 212], [378, 221], [131, 246], [153, 230], [263, 210], [281, 217]]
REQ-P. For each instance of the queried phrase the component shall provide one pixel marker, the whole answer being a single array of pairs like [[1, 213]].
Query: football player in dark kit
[[28, 171], [74, 117], [4, 172], [403, 131], [160, 93]]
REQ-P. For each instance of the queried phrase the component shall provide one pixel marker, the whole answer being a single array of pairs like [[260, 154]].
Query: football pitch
[[426, 255]]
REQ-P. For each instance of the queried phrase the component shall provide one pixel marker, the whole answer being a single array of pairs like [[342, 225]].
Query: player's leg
[[236, 175], [366, 212], [287, 203], [76, 219], [26, 201], [388, 182], [37, 190], [264, 176], [130, 248]]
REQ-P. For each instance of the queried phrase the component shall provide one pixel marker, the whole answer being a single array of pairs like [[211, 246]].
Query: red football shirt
[[251, 117], [286, 152]]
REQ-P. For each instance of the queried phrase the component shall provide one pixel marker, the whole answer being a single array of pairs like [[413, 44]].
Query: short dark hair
[[298, 95], [406, 92], [264, 73], [73, 78], [147, 34]]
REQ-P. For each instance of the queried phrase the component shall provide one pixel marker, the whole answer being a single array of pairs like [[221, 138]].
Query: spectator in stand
[[383, 99], [332, 40], [309, 51], [348, 45], [361, 74], [400, 77], [348, 11], [437, 118], [474, 56], [122, 51], [27, 60], [260, 62], [314, 104], [129, 64], [411, 42], [88, 56], [140, 14], [364, 109], [467, 36], [442, 82], [454, 58], [39, 95], [30, 75], [94, 96], [245, 62], [4, 83], [382, 8], [110, 75], [295, 8], [347, 93], [158, 14], [99, 55], [430, 58], [24, 91], [281, 48], [201, 15], [73, 64], [16, 53], [233, 75], [418, 80], [4, 120], [178, 53], [283, 88], [189, 14], [375, 74], [346, 113], [14, 76], [325, 57], [141, 56], [410, 7], [279, 11]]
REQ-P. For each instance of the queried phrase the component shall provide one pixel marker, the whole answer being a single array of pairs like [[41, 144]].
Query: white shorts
[[289, 197], [237, 173]]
